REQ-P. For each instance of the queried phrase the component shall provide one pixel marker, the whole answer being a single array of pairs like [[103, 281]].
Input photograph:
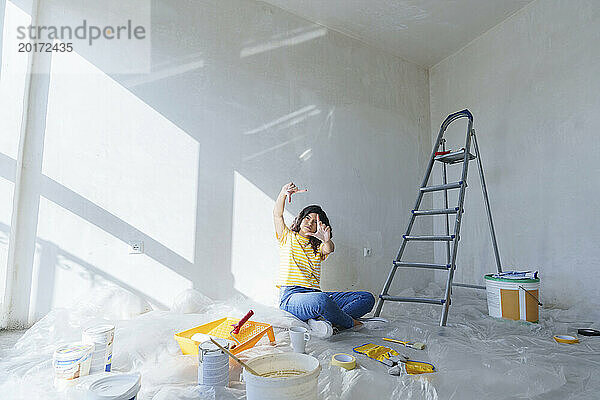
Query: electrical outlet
[[137, 247], [367, 252]]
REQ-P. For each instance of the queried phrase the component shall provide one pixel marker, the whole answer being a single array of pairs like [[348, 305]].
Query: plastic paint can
[[213, 364], [513, 298], [70, 362], [116, 387], [102, 338]]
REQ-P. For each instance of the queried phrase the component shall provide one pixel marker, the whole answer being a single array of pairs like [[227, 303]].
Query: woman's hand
[[323, 232], [290, 189]]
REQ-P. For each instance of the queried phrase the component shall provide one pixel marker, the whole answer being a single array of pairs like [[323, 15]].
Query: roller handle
[[237, 327]]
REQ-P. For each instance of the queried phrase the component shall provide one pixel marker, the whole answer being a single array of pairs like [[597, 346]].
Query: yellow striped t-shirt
[[298, 263]]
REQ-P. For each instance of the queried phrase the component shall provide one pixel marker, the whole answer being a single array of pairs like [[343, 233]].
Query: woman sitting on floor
[[302, 248]]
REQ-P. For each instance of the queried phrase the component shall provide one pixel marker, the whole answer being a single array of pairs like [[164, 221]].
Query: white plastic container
[[102, 338], [515, 299], [213, 364], [289, 376], [70, 362], [116, 387]]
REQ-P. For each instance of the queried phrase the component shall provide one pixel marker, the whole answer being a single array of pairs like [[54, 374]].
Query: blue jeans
[[339, 308]]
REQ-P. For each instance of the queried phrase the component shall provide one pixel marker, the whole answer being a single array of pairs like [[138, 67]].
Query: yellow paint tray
[[250, 333]]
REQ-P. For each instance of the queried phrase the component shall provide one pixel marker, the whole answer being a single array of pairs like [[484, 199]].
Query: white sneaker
[[320, 328]]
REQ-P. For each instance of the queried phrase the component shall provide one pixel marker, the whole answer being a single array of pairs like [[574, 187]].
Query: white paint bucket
[[513, 298], [213, 364], [70, 362], [287, 376], [116, 387], [102, 338]]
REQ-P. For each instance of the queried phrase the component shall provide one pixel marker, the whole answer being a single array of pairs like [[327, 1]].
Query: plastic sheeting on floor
[[476, 356]]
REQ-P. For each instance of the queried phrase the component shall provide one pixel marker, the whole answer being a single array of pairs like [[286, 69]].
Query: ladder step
[[430, 238], [468, 285], [412, 299], [454, 157], [453, 185], [436, 212], [421, 265]]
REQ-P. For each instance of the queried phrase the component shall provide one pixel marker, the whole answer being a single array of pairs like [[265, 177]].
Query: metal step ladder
[[451, 239]]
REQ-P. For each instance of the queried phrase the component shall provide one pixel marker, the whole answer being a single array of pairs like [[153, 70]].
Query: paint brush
[[230, 354], [412, 345]]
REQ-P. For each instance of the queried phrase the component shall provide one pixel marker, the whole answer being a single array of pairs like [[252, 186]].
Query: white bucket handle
[[531, 294]]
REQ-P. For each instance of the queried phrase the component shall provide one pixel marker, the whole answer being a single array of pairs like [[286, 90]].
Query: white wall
[[242, 97], [532, 84], [13, 73]]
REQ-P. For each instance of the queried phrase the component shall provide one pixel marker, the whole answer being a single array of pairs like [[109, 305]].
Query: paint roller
[[201, 337], [238, 326]]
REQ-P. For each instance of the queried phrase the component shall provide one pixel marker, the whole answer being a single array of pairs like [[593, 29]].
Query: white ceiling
[[422, 31]]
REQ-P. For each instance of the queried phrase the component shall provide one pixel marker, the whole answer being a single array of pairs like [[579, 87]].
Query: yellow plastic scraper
[[377, 353], [391, 358]]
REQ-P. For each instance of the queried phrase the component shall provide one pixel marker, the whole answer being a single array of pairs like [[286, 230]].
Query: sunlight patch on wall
[[254, 251], [73, 256], [110, 147], [12, 81], [291, 38], [287, 121]]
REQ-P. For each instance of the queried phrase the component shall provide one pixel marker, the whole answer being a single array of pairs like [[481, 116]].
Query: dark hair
[[314, 242]]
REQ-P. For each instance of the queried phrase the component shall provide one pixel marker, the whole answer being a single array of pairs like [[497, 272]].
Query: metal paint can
[[213, 363]]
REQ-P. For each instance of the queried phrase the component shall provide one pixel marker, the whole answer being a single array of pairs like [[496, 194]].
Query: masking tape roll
[[566, 339], [344, 360]]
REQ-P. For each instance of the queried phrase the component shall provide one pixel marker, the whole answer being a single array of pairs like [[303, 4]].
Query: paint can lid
[[208, 346], [99, 329], [490, 277], [115, 387], [99, 334]]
